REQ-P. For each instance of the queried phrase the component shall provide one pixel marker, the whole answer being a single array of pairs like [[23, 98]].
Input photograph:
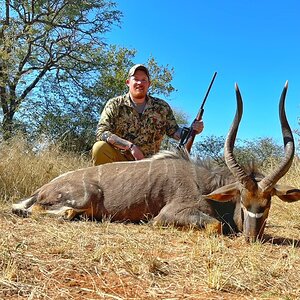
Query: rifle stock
[[188, 138]]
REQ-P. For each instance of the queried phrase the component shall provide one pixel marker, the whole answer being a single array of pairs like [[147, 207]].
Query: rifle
[[188, 134]]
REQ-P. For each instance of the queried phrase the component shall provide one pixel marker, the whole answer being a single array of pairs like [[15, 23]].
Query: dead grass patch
[[48, 259], [43, 258]]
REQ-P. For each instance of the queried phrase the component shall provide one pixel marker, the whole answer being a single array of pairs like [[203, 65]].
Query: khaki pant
[[103, 153]]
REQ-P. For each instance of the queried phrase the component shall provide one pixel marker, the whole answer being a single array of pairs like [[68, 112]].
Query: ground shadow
[[282, 241]]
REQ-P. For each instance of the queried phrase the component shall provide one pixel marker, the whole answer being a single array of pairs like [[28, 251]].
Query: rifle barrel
[[189, 139], [208, 90]]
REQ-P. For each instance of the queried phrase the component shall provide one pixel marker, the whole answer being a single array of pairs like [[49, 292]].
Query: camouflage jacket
[[145, 130]]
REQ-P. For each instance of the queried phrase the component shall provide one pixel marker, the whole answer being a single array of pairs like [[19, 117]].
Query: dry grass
[[43, 258], [22, 170]]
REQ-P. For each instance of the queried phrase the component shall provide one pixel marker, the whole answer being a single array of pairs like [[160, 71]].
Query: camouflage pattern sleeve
[[107, 126], [172, 128], [106, 122]]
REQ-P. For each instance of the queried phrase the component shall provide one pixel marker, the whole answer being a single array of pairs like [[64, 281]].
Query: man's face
[[138, 84]]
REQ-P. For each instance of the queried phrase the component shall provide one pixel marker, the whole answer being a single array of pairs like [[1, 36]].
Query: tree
[[64, 112], [56, 72], [210, 147], [264, 151], [58, 115], [63, 38]]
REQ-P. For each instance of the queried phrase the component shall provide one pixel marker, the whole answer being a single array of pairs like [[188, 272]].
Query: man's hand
[[136, 152], [198, 126]]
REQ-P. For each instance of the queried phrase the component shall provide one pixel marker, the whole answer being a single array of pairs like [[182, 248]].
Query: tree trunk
[[7, 126]]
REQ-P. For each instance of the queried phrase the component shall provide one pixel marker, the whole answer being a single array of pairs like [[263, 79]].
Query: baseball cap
[[138, 67]]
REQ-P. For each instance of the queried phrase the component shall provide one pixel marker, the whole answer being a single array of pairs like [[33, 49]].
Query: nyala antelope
[[171, 188]]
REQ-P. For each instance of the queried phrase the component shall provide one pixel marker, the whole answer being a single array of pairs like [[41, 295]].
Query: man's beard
[[139, 94]]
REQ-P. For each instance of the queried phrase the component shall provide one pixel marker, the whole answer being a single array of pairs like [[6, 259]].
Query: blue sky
[[253, 43]]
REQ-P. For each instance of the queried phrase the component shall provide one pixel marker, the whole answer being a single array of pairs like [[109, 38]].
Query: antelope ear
[[225, 193], [287, 193]]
